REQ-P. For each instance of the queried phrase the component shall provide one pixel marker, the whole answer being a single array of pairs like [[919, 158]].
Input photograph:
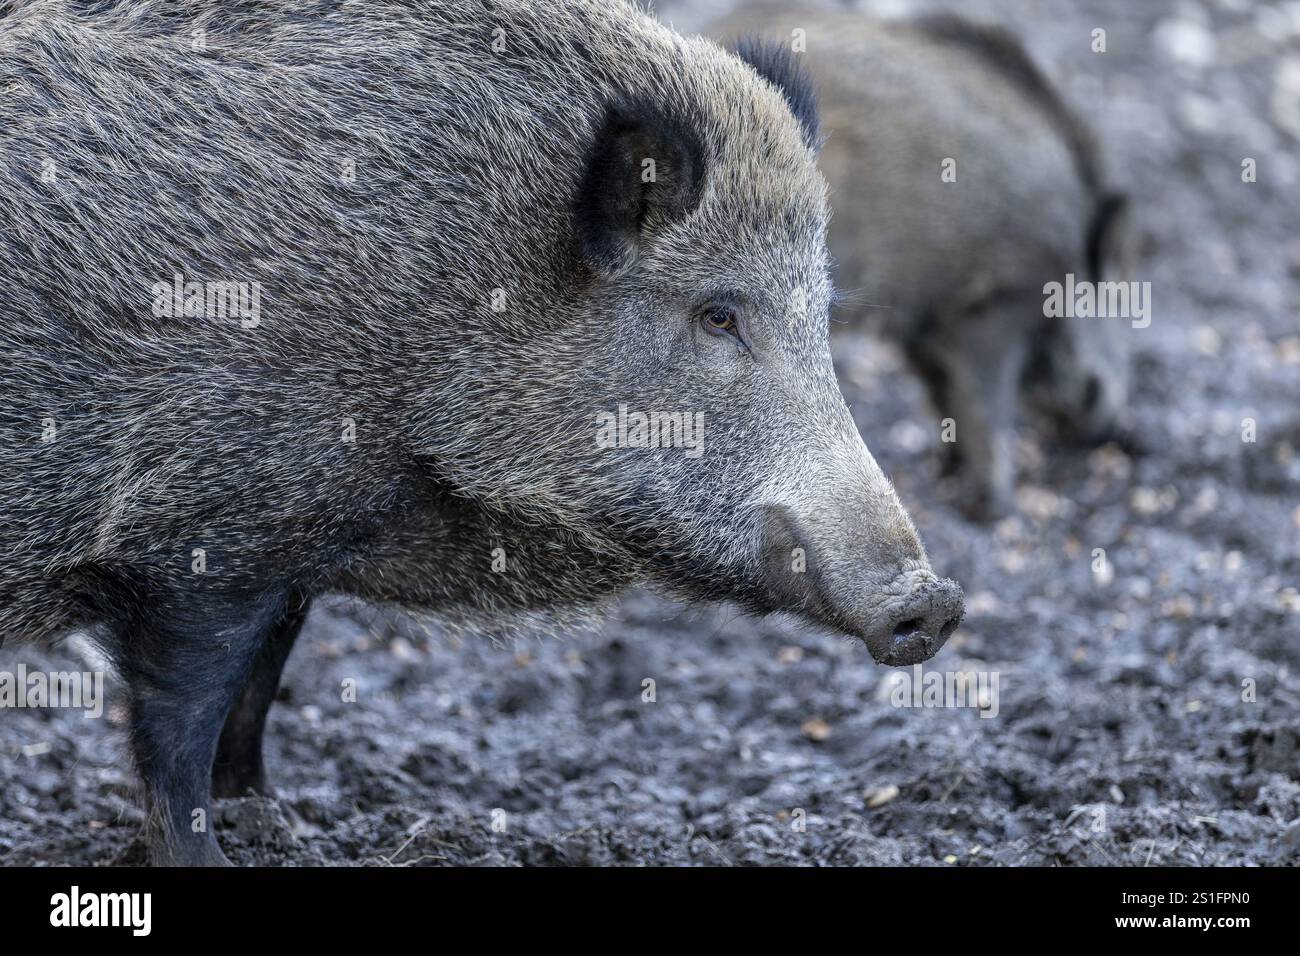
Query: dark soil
[[1122, 736]]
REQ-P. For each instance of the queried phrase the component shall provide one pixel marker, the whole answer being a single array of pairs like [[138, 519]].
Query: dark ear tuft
[[621, 195], [778, 64], [1104, 239]]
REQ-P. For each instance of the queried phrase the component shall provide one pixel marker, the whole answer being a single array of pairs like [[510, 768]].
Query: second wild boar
[[962, 185]]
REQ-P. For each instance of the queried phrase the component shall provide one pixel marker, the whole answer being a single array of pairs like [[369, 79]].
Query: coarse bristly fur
[[777, 64], [463, 257]]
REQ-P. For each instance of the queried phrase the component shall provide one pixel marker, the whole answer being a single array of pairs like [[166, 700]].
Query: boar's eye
[[722, 320]]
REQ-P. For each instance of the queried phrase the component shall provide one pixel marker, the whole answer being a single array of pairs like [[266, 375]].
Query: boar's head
[[1086, 367], [701, 220]]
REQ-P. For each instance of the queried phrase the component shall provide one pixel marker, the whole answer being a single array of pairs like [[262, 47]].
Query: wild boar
[[962, 186], [341, 297]]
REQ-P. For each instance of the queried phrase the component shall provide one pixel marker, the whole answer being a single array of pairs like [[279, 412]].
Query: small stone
[[790, 654], [1040, 504], [1011, 562], [1150, 501], [816, 729], [1186, 41], [1207, 340], [1110, 461], [1205, 502], [1180, 608], [908, 437], [881, 796]]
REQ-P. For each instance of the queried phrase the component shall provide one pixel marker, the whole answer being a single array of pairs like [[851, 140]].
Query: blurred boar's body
[[955, 271], [462, 231]]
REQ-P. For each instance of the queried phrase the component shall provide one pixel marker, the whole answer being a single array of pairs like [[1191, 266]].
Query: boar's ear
[[1105, 242], [645, 168], [780, 66]]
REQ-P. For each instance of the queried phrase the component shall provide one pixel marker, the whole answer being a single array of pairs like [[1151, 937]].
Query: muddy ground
[[1126, 732]]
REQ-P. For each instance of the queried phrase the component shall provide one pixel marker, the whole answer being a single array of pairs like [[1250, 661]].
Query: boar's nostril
[[907, 628], [927, 619]]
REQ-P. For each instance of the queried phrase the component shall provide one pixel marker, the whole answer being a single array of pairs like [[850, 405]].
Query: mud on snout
[[914, 616], [862, 571]]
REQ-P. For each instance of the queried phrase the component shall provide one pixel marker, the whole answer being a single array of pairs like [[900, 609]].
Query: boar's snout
[[919, 622], [1088, 387], [863, 581]]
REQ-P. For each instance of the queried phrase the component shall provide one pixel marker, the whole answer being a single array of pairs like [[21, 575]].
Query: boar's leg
[[973, 374], [929, 365], [238, 767], [186, 658]]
